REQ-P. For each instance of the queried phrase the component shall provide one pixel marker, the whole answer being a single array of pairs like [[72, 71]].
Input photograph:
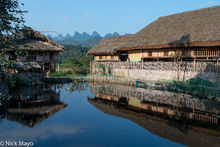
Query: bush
[[58, 74], [13, 81]]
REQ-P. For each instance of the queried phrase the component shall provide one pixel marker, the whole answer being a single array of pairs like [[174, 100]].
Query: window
[[112, 57], [150, 53], [40, 53], [100, 57], [184, 52], [166, 53], [33, 56], [51, 55]]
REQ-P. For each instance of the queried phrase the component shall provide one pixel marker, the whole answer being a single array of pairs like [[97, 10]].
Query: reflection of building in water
[[33, 106], [162, 102], [179, 121]]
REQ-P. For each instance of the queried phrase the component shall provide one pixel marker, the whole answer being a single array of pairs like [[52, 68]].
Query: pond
[[82, 114]]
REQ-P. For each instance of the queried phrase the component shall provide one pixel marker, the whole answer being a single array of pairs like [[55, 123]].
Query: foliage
[[59, 74], [171, 55], [109, 70], [102, 68], [13, 81], [4, 98], [11, 21], [197, 87], [73, 61], [74, 66], [73, 51]]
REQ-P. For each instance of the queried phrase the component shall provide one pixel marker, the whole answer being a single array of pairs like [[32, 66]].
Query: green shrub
[[57, 74], [13, 81]]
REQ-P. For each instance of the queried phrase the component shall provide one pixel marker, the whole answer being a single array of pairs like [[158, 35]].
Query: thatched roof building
[[198, 28], [193, 28], [29, 39], [108, 45], [29, 45]]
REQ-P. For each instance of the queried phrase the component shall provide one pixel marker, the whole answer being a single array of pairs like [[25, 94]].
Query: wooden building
[[35, 47], [105, 49], [192, 35]]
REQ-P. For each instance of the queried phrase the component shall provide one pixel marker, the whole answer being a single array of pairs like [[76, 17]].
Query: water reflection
[[171, 116], [33, 105], [76, 86], [177, 117]]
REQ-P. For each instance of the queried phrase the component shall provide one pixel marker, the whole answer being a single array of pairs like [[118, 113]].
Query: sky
[[104, 16]]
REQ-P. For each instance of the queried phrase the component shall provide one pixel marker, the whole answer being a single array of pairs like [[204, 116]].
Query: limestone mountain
[[83, 39]]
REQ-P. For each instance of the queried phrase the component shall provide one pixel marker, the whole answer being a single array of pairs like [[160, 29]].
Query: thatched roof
[[108, 45], [193, 28], [30, 39], [33, 116]]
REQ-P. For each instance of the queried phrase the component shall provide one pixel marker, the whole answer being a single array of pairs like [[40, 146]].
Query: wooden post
[[58, 67], [194, 64], [43, 67], [55, 67]]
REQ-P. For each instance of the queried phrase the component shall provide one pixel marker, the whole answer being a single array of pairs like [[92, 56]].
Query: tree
[[11, 17], [11, 21]]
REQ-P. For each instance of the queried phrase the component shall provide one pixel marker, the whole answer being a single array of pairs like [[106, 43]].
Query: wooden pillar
[[194, 64], [55, 67], [49, 68], [58, 67], [91, 69], [43, 68]]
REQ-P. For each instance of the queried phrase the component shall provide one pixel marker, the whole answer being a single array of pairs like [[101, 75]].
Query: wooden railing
[[206, 53]]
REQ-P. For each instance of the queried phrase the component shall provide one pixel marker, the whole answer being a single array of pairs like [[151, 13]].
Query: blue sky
[[103, 16]]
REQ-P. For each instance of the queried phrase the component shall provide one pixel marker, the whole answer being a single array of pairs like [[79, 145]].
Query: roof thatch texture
[[33, 116], [108, 45], [193, 28], [30, 39]]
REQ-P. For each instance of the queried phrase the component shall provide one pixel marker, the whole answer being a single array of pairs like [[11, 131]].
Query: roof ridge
[[29, 33], [190, 11]]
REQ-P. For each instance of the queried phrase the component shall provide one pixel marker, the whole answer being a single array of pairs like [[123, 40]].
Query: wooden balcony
[[206, 53]]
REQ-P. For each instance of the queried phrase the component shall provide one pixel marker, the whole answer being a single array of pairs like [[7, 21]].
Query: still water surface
[[108, 115]]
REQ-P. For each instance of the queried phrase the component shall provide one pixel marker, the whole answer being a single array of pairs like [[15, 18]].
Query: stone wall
[[154, 71], [156, 96]]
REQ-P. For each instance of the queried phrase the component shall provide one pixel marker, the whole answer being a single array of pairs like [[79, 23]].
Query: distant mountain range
[[83, 39]]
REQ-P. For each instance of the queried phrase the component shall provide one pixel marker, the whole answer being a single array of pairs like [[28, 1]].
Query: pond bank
[[64, 80], [195, 87]]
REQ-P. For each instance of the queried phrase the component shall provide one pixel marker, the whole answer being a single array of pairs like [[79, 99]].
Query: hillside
[[73, 51]]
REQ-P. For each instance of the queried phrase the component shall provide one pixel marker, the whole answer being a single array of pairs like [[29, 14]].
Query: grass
[[196, 87], [69, 72], [61, 74]]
